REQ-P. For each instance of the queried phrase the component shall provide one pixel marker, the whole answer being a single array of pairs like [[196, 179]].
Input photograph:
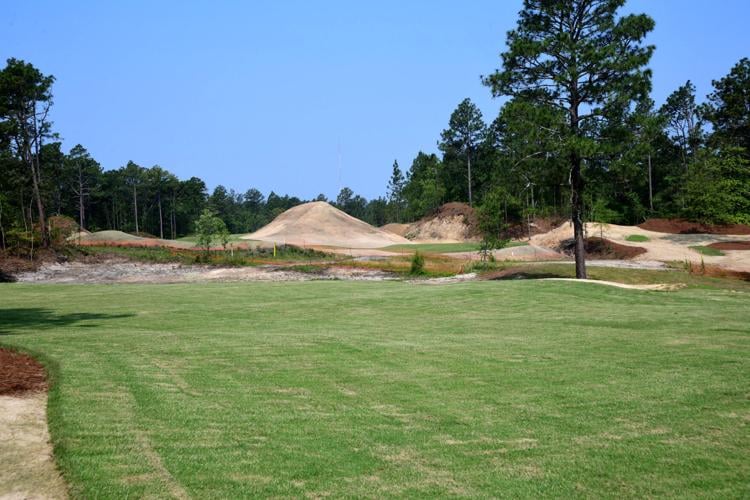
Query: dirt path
[[27, 470]]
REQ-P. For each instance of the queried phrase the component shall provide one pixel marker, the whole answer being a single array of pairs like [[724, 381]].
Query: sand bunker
[[664, 247], [319, 224]]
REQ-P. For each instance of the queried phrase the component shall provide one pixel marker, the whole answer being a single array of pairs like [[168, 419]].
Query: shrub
[[417, 264]]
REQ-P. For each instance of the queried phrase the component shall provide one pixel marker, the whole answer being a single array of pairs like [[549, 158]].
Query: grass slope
[[379, 389]]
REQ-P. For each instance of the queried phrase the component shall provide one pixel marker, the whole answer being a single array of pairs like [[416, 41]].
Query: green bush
[[417, 264]]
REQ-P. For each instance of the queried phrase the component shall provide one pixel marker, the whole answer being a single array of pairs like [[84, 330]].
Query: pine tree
[[396, 192], [578, 57]]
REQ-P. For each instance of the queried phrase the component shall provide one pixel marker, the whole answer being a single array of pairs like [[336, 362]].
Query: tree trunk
[[650, 185], [171, 219], [39, 204], [80, 199], [576, 203], [36, 178], [2, 230], [161, 220], [135, 207], [468, 165]]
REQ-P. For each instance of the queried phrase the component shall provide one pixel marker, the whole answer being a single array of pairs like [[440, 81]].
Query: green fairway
[[466, 246], [710, 251], [348, 389], [638, 238]]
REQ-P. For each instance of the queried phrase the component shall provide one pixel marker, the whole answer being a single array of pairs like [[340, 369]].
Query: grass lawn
[[639, 238], [466, 246], [713, 252], [484, 389]]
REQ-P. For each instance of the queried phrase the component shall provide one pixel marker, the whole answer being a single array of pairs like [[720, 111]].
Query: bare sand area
[[320, 224]]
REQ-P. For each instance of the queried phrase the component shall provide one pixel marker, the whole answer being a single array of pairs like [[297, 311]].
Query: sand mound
[[110, 235], [121, 239], [452, 222], [319, 224]]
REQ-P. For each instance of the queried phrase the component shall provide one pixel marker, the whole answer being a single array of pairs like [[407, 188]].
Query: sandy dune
[[319, 224], [663, 247]]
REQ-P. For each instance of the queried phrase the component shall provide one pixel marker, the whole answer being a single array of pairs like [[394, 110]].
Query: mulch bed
[[601, 249], [682, 226], [20, 373], [731, 245]]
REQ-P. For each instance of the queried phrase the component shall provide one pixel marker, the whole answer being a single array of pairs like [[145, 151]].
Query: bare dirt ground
[[123, 271], [665, 247], [318, 223], [451, 223], [524, 253], [27, 470], [396, 228]]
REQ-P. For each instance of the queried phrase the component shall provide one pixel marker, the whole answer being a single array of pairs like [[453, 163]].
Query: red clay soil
[[682, 226], [731, 245], [604, 249], [20, 373]]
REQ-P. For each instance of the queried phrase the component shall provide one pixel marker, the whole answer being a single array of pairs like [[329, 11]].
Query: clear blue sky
[[261, 94]]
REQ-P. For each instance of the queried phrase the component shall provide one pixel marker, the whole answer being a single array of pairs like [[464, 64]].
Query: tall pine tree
[[579, 57]]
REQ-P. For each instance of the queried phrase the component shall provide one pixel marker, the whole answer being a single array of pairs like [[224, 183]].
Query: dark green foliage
[[396, 194], [459, 143], [718, 188], [424, 190], [577, 57], [728, 108], [417, 264], [210, 229]]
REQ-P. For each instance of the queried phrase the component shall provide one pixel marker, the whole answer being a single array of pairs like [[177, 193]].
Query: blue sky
[[265, 94]]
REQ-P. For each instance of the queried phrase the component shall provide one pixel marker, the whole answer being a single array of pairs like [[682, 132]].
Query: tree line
[[578, 136]]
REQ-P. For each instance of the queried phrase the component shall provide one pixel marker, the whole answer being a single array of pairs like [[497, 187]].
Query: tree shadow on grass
[[18, 321]]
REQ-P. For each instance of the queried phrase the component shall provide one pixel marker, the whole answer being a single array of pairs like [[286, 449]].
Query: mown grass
[[467, 246], [676, 275], [709, 251], [637, 238], [484, 389]]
